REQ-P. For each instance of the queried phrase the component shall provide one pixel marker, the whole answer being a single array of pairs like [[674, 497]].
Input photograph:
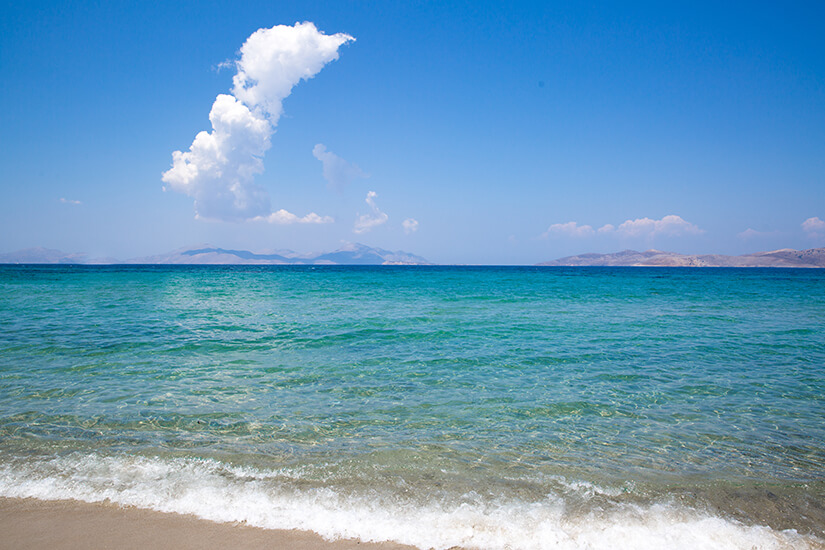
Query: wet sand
[[66, 524]]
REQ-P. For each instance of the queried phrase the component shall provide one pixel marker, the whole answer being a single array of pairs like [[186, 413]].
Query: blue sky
[[466, 132]]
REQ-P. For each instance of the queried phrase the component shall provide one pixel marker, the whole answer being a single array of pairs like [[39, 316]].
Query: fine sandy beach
[[30, 523]]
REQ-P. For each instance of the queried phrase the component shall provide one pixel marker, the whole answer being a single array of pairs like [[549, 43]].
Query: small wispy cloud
[[338, 172], [69, 201], [366, 222], [219, 168], [410, 225], [671, 225], [751, 233], [569, 229], [814, 227]]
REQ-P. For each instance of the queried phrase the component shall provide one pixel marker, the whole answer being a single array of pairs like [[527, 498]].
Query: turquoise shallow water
[[535, 407]]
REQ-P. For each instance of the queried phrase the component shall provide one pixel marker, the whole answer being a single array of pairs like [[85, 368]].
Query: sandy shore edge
[[68, 524]]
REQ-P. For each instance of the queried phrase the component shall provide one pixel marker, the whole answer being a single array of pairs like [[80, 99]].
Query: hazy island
[[785, 257], [205, 254]]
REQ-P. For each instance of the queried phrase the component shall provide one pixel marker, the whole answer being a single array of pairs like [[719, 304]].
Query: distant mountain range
[[351, 254], [359, 254], [786, 257]]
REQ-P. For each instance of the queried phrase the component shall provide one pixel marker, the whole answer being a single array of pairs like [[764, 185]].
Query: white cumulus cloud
[[671, 226], [338, 172], [410, 225], [70, 201], [282, 217], [218, 170], [274, 60], [366, 222], [814, 227]]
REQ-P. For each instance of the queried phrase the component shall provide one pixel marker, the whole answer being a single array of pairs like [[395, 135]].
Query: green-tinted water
[[596, 390]]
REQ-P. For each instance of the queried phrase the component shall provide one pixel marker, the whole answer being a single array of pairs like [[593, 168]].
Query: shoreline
[[29, 523]]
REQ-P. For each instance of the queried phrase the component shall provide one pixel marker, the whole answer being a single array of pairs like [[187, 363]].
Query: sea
[[440, 407]]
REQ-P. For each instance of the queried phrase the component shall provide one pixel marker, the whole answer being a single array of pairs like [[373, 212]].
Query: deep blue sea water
[[484, 407]]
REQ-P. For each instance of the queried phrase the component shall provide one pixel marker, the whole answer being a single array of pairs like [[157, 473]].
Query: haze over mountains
[[359, 254], [785, 257], [350, 254]]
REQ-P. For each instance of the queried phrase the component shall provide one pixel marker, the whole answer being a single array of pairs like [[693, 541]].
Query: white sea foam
[[273, 499]]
